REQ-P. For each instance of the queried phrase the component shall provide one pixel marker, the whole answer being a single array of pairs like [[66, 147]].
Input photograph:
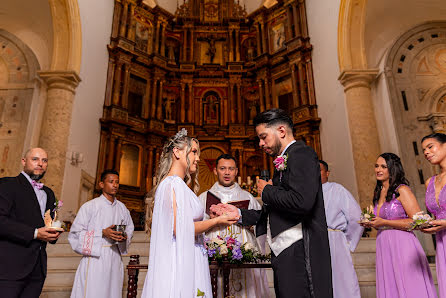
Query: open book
[[212, 199]]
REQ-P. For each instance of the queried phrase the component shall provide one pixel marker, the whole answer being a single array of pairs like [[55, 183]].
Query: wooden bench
[[133, 270]]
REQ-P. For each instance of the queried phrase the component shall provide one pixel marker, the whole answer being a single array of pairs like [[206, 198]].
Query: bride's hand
[[227, 219]]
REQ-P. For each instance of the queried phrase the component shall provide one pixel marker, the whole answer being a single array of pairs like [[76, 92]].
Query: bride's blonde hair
[[180, 141]]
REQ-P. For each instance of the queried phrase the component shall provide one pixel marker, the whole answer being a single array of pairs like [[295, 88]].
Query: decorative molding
[[67, 80], [357, 78]]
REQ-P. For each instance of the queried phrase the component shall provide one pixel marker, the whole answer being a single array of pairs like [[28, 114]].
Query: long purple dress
[[402, 269], [439, 211]]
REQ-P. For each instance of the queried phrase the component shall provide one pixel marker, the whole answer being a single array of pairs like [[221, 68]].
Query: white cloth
[[244, 283], [287, 237], [101, 271], [40, 194], [178, 264], [342, 213]]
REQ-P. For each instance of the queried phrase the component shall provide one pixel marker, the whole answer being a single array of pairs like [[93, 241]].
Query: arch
[[67, 45], [351, 28]]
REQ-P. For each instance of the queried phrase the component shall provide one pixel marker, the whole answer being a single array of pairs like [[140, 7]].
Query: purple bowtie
[[37, 184]]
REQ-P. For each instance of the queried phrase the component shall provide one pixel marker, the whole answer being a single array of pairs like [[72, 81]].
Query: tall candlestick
[[249, 180], [239, 180], [154, 180]]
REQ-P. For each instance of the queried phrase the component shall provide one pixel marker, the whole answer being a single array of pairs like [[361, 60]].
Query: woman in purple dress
[[402, 269], [434, 148]]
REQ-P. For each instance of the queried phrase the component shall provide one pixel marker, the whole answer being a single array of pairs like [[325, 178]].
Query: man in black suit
[[23, 235], [293, 215]]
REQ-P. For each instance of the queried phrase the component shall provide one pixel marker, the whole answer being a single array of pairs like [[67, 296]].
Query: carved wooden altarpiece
[[210, 68]]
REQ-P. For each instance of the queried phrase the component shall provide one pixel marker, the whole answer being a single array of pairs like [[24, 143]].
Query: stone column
[[310, 83], [261, 100], [295, 86], [117, 84], [123, 25], [289, 30], [363, 130], [237, 45], [191, 44], [56, 123], [159, 106], [117, 165], [185, 45], [183, 104], [303, 19], [154, 98]]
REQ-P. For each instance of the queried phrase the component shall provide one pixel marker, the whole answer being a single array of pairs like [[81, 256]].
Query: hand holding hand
[[261, 185], [47, 234], [227, 219], [112, 234], [220, 209]]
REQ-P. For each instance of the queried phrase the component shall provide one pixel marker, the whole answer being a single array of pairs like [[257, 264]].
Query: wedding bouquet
[[420, 221], [220, 249], [367, 214]]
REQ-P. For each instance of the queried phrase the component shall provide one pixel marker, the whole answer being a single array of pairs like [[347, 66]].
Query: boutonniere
[[281, 163]]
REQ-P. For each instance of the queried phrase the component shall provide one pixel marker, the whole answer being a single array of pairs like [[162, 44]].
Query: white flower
[[218, 241], [223, 250], [367, 216], [249, 246]]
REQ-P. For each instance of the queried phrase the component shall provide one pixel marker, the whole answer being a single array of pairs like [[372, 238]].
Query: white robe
[[342, 213], [242, 282], [101, 271]]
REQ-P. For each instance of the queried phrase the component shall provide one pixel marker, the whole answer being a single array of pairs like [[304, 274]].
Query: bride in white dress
[[178, 262]]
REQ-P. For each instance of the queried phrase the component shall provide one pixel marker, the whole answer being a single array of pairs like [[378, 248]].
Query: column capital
[[357, 78], [436, 120], [67, 80]]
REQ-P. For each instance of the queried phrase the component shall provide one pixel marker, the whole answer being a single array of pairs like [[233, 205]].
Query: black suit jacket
[[20, 215], [294, 198]]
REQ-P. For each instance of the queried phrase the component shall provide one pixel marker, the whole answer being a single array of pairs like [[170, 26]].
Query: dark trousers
[[290, 276], [28, 287]]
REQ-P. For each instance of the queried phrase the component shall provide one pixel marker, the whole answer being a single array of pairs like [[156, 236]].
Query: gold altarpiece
[[210, 68]]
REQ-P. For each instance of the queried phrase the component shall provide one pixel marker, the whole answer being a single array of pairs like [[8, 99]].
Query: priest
[[244, 283]]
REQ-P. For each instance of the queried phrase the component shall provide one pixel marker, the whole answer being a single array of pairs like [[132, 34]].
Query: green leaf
[[200, 293]]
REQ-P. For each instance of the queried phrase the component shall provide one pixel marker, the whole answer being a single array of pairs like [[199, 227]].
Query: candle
[[154, 180], [239, 180], [249, 180], [257, 179]]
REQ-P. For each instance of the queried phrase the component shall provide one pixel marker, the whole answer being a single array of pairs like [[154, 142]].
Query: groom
[[293, 215]]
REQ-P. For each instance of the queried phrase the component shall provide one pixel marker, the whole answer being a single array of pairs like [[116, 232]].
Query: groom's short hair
[[274, 117]]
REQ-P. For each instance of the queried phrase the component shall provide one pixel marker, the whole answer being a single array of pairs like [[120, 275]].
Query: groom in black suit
[[293, 215], [23, 236]]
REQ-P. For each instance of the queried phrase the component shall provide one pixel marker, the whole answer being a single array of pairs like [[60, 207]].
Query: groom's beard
[[275, 148], [35, 177]]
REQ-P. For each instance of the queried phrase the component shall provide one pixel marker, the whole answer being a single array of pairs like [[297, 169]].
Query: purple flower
[[237, 254], [211, 252]]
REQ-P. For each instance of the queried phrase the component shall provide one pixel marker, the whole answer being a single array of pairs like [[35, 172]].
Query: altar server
[[242, 282], [101, 271], [344, 232]]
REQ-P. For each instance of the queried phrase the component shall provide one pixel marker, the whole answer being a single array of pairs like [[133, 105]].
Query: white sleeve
[[352, 212], [82, 240]]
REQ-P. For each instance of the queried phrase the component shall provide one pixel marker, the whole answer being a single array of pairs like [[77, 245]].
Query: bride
[[178, 262]]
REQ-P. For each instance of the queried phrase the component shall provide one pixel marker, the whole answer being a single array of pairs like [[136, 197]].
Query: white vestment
[[242, 282], [342, 213], [101, 271]]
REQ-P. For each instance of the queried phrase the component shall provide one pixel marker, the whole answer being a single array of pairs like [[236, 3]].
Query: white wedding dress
[[178, 264]]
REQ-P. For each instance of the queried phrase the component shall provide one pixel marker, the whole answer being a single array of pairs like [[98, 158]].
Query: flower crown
[[181, 134]]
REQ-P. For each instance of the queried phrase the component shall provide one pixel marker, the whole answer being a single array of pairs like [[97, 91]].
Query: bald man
[[23, 236]]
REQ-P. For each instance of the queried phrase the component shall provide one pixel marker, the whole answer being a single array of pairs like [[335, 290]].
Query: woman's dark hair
[[396, 177], [440, 137]]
